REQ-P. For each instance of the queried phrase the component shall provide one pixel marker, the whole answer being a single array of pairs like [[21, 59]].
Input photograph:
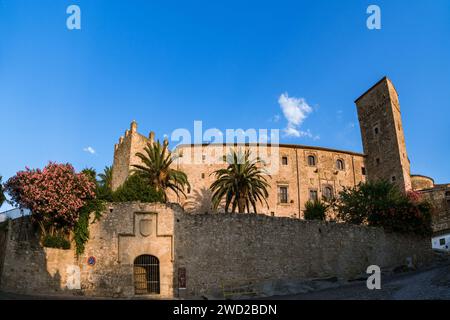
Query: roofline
[[293, 146], [422, 176], [439, 186], [441, 233], [371, 88], [12, 209]]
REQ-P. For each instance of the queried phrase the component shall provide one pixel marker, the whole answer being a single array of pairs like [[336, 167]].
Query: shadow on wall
[[26, 273], [198, 202]]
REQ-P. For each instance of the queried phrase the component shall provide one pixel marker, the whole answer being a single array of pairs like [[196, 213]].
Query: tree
[[105, 184], [136, 188], [156, 170], [315, 210], [382, 204], [242, 184], [2, 192], [91, 173], [54, 195], [106, 177]]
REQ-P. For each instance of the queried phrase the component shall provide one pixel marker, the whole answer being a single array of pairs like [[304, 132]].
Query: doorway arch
[[146, 275]]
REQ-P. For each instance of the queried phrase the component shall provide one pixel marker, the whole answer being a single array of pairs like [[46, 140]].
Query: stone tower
[[125, 154], [382, 135]]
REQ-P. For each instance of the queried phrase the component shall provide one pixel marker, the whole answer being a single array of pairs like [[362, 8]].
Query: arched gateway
[[146, 275]]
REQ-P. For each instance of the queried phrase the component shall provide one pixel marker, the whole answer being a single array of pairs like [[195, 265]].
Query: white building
[[441, 242], [13, 213]]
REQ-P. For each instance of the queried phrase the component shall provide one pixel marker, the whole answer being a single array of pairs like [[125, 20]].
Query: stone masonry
[[210, 250]]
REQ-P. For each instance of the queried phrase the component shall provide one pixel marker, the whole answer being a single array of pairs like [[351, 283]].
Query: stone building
[[164, 251], [303, 172]]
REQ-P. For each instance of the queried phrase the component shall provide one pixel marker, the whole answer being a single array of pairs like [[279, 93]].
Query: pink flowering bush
[[54, 195]]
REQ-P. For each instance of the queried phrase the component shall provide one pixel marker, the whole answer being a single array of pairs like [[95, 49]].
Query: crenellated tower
[[125, 153], [382, 135]]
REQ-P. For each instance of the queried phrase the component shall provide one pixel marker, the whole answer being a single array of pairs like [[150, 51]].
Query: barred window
[[282, 194]]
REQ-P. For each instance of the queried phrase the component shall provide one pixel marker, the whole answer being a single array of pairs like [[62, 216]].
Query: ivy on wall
[[81, 229]]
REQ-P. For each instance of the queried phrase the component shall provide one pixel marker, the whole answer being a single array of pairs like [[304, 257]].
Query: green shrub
[[382, 204], [135, 188], [315, 210], [56, 241]]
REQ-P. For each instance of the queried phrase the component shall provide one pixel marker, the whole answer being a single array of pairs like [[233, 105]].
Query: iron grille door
[[146, 275]]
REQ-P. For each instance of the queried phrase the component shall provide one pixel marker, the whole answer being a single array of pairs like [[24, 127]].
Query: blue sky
[[166, 64]]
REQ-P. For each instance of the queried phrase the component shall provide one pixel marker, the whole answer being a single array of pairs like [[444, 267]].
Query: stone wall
[[439, 196], [216, 250], [3, 238], [212, 249], [115, 241]]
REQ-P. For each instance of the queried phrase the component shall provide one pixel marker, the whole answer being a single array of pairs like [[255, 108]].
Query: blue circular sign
[[91, 261]]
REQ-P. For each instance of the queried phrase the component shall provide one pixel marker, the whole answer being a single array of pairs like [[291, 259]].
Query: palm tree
[[242, 184], [2, 192], [91, 174], [156, 169], [106, 178]]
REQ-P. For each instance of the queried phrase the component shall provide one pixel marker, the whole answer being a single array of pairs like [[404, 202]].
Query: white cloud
[[89, 149], [295, 110]]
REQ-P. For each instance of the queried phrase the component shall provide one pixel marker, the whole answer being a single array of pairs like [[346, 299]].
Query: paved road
[[427, 284]]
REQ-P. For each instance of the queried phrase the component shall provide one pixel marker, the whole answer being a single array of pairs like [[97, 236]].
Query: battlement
[[125, 153]]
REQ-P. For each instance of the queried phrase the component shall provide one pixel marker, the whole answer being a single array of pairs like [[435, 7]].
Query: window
[[224, 159], [376, 130], [363, 171], [203, 176], [442, 242], [282, 194], [311, 161], [146, 275], [313, 195], [328, 193], [284, 161], [340, 164], [272, 214], [377, 160], [393, 178]]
